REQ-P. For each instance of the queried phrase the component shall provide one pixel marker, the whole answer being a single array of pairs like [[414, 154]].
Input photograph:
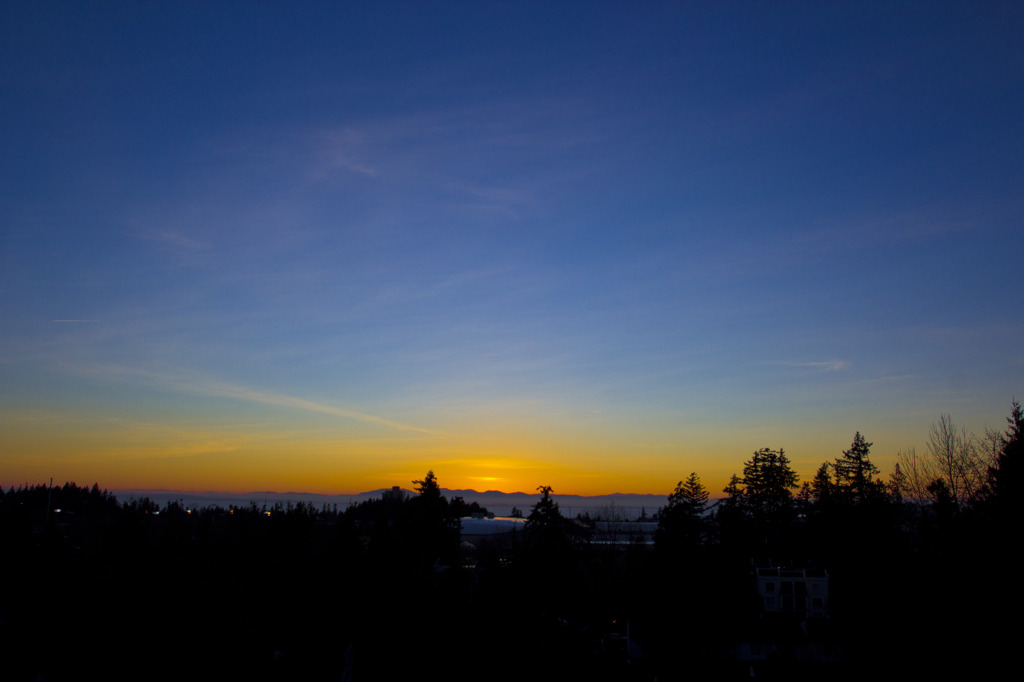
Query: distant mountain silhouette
[[627, 504]]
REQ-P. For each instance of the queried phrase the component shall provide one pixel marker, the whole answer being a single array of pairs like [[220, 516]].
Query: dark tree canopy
[[545, 513], [431, 525], [679, 522], [547, 530], [732, 506], [822, 489], [428, 487], [1006, 476], [899, 484], [767, 481], [856, 475], [688, 500]]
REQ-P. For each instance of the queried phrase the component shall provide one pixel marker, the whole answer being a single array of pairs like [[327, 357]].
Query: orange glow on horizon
[[118, 454]]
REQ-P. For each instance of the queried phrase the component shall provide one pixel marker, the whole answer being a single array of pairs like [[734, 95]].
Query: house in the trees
[[799, 591]]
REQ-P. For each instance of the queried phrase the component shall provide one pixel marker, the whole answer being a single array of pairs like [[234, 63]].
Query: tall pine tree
[[680, 521], [856, 475], [768, 481]]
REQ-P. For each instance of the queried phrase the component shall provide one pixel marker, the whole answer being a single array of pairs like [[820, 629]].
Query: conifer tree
[[545, 513], [1006, 476], [822, 488], [547, 531], [679, 522], [767, 482], [855, 474]]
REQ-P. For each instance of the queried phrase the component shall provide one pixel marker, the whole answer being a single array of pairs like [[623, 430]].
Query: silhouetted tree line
[[919, 568], [919, 562]]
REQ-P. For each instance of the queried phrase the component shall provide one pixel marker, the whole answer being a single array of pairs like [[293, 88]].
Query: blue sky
[[594, 245]]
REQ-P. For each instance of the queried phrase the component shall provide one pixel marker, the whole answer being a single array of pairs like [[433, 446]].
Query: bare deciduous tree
[[955, 455], [959, 459], [912, 477]]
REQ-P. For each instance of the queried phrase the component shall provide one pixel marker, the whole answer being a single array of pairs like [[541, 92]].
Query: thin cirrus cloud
[[173, 239], [887, 379], [223, 390], [445, 146], [824, 365]]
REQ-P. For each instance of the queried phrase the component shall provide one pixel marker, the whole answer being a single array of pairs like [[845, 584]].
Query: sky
[[325, 247]]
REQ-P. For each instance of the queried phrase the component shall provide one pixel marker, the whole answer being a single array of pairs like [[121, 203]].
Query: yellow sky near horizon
[[120, 453]]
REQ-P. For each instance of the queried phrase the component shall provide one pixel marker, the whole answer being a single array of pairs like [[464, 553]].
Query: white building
[[800, 591]]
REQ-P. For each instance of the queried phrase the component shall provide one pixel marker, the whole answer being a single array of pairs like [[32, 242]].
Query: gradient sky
[[326, 246]]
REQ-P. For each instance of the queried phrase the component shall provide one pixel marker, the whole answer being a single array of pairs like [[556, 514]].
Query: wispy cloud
[[826, 365], [240, 393], [452, 149], [656, 446], [875, 230], [174, 239], [224, 390], [342, 149], [100, 436], [886, 379], [494, 463]]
